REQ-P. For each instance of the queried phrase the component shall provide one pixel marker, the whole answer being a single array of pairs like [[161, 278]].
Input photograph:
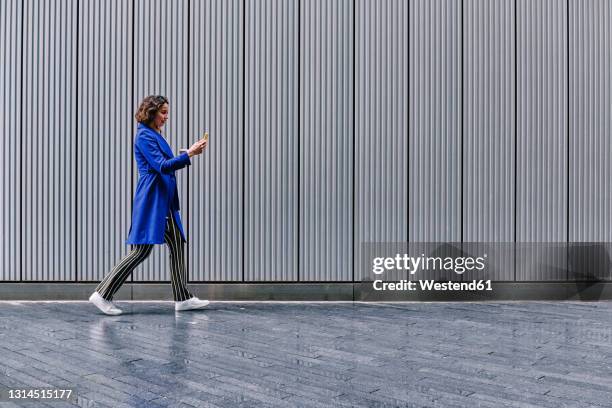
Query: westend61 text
[[432, 285]]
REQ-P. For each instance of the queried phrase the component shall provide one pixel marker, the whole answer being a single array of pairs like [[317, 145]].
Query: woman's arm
[[150, 149]]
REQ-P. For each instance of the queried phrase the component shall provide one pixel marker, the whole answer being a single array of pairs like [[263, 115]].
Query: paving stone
[[515, 354]]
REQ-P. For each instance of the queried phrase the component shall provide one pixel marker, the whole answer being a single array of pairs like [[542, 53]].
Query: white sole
[[107, 313], [102, 310], [192, 308]]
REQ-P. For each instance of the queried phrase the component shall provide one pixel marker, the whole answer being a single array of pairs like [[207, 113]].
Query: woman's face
[[161, 117]]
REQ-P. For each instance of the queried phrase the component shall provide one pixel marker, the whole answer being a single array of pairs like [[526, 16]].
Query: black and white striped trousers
[[113, 281]]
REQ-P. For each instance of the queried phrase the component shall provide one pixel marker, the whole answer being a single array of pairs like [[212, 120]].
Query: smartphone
[[205, 138]]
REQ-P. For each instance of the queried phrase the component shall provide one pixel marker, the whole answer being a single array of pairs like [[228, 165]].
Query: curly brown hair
[[149, 107]]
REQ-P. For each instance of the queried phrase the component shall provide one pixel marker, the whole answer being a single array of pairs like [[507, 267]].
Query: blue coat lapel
[[164, 145]]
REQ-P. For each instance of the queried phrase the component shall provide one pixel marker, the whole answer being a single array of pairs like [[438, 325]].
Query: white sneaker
[[104, 305], [190, 304]]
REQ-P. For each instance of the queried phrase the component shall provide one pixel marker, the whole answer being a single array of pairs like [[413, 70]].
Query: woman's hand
[[198, 147]]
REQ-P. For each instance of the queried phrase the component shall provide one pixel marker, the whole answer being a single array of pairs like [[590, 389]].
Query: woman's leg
[[178, 274], [113, 281]]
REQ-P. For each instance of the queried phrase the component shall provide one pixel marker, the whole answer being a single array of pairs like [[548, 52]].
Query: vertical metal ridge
[[568, 185], [132, 108], [49, 125], [216, 177], [354, 265], [326, 148], [462, 123], [408, 119], [11, 117], [21, 127], [299, 142], [104, 127], [271, 124], [435, 134], [381, 145], [488, 139], [541, 138], [243, 161], [162, 67], [186, 139], [76, 149], [514, 236]]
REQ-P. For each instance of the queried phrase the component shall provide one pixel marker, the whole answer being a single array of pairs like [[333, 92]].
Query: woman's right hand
[[198, 147]]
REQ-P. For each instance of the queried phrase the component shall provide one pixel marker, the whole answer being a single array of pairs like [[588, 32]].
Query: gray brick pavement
[[517, 354]]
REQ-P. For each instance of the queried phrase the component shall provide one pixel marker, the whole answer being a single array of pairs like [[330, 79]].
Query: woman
[[155, 217]]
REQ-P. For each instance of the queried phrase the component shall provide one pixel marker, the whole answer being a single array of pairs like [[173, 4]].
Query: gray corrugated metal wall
[[435, 121], [216, 105], [488, 130], [541, 142], [435, 142], [49, 138], [271, 140], [331, 123], [104, 133], [590, 107], [326, 140], [381, 124], [160, 68], [11, 14]]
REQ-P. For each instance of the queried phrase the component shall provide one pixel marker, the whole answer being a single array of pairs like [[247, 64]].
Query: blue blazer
[[156, 191]]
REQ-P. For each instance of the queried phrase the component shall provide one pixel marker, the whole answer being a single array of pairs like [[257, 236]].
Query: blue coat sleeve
[[150, 149]]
